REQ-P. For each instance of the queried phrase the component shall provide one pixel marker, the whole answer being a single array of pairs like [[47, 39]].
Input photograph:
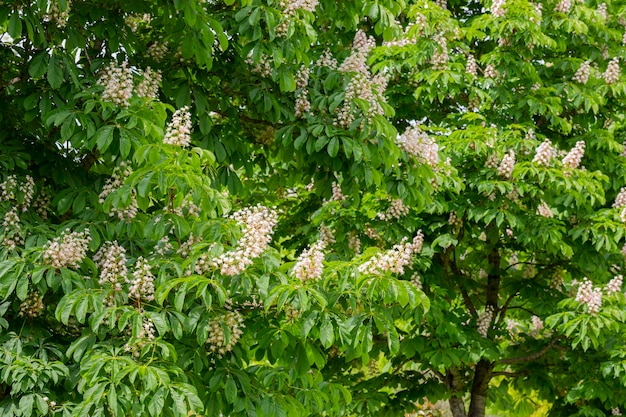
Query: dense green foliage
[[273, 208]]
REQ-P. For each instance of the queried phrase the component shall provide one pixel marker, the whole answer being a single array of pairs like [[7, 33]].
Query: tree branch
[[532, 356]]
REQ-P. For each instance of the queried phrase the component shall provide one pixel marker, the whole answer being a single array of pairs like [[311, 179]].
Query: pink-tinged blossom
[[544, 210], [575, 155], [545, 153], [563, 6], [111, 261], [419, 144], [497, 8], [507, 164], [589, 295], [614, 285], [620, 200]]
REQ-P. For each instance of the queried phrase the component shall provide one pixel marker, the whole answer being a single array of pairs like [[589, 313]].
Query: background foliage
[[150, 151]]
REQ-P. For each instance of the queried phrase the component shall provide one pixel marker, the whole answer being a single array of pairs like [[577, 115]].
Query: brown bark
[[482, 376], [454, 383]]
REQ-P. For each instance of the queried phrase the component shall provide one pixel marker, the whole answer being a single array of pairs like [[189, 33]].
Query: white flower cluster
[[620, 200], [111, 260], [147, 334], [419, 144], [149, 85], [327, 235], [32, 306], [616, 411], [563, 6], [8, 194], [537, 323], [602, 10], [163, 246], [544, 153], [142, 284], [582, 74], [56, 15], [12, 241], [67, 250], [303, 105], [439, 59], [258, 225], [354, 242], [556, 281], [544, 210], [395, 259], [309, 265], [263, 67], [471, 67], [589, 295], [178, 131], [575, 155], [507, 164], [497, 8], [157, 51], [396, 210], [133, 21], [326, 60], [289, 9], [491, 71], [118, 84], [361, 85], [484, 321], [615, 284], [114, 183], [219, 341], [611, 75], [185, 248], [337, 193], [11, 218], [454, 220]]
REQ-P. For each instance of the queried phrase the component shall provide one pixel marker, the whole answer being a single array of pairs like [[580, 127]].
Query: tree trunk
[[482, 376], [457, 407]]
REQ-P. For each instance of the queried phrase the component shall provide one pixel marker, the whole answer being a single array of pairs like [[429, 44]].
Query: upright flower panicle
[[178, 131], [113, 184], [615, 285], [395, 259], [118, 84], [611, 75], [219, 341], [582, 74], [575, 155], [507, 164], [545, 153], [589, 295], [419, 144], [620, 200], [544, 210], [67, 250], [142, 284], [257, 225], [309, 265], [111, 260]]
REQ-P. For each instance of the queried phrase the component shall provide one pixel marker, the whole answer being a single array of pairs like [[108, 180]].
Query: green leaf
[[327, 335], [15, 26], [230, 389], [55, 72]]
